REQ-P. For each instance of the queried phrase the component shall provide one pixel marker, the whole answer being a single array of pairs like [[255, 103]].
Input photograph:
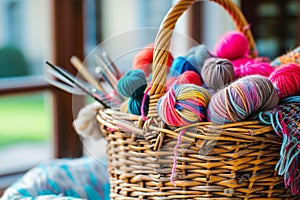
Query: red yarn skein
[[170, 81], [232, 45], [144, 58], [286, 79], [188, 77]]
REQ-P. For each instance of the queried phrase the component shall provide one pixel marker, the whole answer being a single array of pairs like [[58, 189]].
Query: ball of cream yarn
[[86, 124]]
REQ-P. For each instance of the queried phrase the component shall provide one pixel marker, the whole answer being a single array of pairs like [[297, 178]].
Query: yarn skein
[[232, 45], [86, 124], [238, 62], [253, 68], [217, 73], [200, 53], [286, 79], [144, 58], [242, 99], [132, 85], [135, 105], [182, 64], [192, 61], [183, 104], [188, 77], [170, 81]]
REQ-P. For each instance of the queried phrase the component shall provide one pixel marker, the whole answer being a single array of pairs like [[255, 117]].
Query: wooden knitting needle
[[112, 78], [112, 65], [108, 74], [81, 68]]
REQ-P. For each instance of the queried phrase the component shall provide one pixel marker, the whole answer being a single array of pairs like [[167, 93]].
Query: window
[[274, 24], [35, 35]]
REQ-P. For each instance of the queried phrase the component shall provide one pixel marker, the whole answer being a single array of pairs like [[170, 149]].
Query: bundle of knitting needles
[[101, 88]]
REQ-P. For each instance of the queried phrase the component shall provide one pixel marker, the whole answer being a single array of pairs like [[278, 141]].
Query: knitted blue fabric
[[63, 179]]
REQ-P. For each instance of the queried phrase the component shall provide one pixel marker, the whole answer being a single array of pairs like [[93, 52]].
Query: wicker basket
[[231, 161]]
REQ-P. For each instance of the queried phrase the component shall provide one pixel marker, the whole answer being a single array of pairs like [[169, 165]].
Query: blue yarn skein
[[192, 61], [200, 53], [182, 64], [132, 85]]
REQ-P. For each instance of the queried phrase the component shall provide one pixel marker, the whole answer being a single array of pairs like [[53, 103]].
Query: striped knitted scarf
[[285, 120]]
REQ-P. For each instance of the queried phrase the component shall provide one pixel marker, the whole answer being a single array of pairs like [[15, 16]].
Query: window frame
[[68, 40]]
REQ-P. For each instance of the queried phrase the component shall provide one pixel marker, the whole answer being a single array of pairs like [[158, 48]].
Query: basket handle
[[163, 40]]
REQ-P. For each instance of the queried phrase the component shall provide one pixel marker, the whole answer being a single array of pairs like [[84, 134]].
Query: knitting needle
[[63, 86], [106, 70], [66, 85], [93, 92], [81, 68], [99, 70], [79, 65], [112, 79], [69, 87], [118, 74], [73, 90]]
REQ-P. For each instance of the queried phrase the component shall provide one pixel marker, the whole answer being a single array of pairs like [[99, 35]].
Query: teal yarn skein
[[135, 104], [133, 85]]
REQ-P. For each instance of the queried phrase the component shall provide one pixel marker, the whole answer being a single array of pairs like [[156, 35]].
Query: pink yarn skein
[[287, 79], [241, 61], [232, 45], [253, 68]]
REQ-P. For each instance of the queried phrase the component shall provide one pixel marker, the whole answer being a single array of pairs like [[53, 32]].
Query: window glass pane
[[25, 131], [268, 9], [26, 120], [274, 24], [25, 36]]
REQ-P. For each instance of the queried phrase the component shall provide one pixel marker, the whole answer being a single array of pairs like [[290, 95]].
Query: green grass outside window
[[24, 118]]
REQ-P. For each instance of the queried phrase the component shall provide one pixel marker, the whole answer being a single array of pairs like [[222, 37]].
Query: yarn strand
[[175, 157]]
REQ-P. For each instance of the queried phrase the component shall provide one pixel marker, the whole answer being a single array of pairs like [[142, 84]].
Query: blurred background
[[36, 119]]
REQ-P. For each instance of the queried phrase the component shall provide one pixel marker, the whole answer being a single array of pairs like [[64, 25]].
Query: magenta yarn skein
[[286, 79], [232, 45]]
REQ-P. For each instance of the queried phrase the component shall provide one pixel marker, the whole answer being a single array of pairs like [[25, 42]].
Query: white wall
[[216, 22], [38, 32], [118, 16]]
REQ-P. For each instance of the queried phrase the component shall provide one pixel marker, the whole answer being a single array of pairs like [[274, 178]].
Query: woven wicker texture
[[215, 162]]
